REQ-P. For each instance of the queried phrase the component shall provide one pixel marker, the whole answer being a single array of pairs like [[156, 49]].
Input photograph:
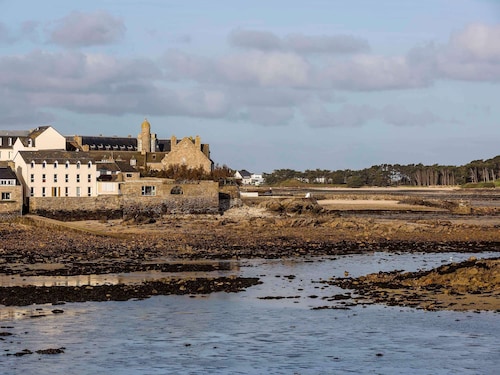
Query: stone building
[[11, 192], [147, 150], [189, 152]]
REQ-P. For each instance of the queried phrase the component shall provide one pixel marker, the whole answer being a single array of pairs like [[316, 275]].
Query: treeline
[[182, 172], [477, 171]]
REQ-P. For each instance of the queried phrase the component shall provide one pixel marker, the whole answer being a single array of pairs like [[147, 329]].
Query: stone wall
[[100, 203], [169, 197]]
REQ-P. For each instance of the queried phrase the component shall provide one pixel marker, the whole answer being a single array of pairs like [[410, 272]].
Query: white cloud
[[472, 54], [86, 29], [274, 69]]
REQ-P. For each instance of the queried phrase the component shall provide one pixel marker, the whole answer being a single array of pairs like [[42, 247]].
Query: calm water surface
[[243, 334]]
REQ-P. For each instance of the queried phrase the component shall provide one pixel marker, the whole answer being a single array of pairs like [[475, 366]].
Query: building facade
[[57, 173]]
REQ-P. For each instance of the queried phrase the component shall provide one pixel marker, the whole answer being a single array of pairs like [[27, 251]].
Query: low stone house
[[11, 192], [170, 196]]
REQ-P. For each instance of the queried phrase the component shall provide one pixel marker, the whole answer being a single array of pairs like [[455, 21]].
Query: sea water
[[249, 333]]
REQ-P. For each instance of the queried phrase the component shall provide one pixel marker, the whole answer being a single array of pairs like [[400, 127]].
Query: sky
[[316, 84]]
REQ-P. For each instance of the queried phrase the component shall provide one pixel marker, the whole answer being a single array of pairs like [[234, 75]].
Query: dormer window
[[67, 164], [56, 164], [30, 142], [78, 164], [32, 164], [10, 141], [89, 164], [44, 164]]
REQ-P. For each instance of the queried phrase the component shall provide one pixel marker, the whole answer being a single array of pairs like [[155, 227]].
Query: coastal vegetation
[[475, 174]]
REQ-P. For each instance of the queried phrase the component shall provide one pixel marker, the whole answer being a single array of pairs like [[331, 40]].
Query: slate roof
[[245, 174], [110, 143], [51, 156], [8, 174]]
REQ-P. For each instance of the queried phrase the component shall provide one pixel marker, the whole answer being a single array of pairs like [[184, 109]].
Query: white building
[[248, 178], [57, 173], [41, 138]]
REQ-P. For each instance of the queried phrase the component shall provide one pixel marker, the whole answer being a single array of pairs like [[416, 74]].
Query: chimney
[[173, 142], [197, 142]]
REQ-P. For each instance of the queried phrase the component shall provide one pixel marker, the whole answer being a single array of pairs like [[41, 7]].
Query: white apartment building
[[54, 173], [41, 138]]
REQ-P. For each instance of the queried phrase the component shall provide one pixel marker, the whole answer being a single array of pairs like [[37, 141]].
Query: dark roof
[[245, 173], [8, 174], [164, 145], [125, 167], [110, 143], [107, 166], [51, 156]]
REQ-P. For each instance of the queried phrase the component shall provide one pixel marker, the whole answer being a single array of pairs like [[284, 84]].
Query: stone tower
[[144, 137]]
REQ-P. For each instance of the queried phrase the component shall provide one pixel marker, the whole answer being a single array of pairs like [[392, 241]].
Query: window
[[32, 178], [89, 191], [44, 164], [55, 178], [66, 178], [56, 164], [6, 196], [78, 164], [30, 142], [67, 164], [89, 164], [0, 141], [66, 191], [77, 178], [148, 190], [10, 141], [32, 164], [89, 178], [176, 190], [78, 191], [128, 174], [44, 178], [43, 192], [32, 192]]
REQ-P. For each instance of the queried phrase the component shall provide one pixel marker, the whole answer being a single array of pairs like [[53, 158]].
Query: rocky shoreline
[[186, 243], [470, 285]]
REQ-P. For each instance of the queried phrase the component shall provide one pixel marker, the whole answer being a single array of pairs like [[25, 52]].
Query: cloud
[[86, 29], [19, 116], [472, 54], [302, 44], [273, 69]]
